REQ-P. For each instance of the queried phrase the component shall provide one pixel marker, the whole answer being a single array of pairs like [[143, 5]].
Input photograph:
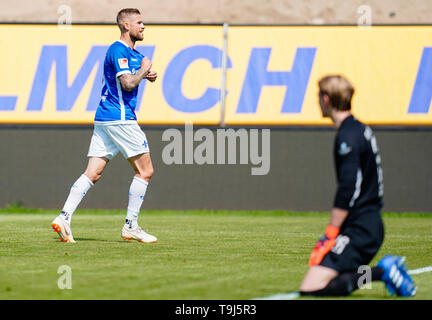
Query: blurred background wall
[[38, 164], [219, 11]]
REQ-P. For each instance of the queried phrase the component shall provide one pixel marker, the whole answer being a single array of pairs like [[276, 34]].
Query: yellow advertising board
[[53, 75], [388, 67]]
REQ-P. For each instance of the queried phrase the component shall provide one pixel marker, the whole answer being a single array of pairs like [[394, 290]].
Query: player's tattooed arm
[[131, 81]]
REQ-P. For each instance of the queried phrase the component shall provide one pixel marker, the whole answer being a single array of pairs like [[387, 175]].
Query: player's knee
[[146, 174], [317, 278], [96, 178], [309, 287], [93, 176], [306, 285]]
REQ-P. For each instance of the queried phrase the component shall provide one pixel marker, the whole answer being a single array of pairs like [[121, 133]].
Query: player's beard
[[138, 36]]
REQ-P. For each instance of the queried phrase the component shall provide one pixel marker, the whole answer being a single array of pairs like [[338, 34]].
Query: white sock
[[137, 192], [76, 194]]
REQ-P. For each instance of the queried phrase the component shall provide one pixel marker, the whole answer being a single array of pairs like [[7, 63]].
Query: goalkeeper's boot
[[408, 287], [63, 229], [137, 234], [396, 277]]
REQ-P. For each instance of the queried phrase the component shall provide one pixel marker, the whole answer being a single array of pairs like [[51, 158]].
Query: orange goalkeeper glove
[[324, 245]]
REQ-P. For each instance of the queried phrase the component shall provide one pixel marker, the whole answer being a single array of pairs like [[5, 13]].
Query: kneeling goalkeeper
[[355, 232]]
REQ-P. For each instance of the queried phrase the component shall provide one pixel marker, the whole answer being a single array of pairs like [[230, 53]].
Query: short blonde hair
[[338, 89], [124, 13]]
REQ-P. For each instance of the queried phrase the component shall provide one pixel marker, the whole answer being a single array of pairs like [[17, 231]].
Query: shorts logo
[[123, 63], [341, 242]]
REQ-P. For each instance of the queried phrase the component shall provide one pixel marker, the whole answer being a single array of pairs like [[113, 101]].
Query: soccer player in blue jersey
[[116, 129]]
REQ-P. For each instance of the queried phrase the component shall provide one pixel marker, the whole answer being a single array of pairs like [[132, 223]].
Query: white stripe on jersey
[[357, 187], [120, 95], [122, 72]]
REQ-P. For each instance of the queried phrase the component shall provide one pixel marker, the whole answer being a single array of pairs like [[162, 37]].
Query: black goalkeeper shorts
[[358, 242]]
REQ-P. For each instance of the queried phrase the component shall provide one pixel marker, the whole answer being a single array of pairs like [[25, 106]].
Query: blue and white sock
[[137, 192], [76, 194]]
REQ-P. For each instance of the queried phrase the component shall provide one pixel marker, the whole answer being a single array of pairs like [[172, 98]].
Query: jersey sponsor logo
[[344, 149], [123, 63]]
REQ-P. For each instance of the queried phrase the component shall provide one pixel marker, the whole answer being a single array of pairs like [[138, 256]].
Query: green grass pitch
[[199, 254]]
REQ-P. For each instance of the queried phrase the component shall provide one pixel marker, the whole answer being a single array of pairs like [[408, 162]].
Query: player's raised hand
[[152, 76], [146, 65]]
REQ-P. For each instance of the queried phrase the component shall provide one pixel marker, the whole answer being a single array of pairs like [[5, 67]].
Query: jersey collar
[[124, 43], [348, 119]]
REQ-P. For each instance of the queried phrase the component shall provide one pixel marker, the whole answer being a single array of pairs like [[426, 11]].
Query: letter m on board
[[422, 92], [65, 95]]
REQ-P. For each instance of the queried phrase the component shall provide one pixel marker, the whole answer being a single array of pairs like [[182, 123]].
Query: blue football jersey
[[117, 104]]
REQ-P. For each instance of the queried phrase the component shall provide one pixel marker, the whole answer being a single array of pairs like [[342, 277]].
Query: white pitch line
[[420, 270], [294, 295], [281, 296]]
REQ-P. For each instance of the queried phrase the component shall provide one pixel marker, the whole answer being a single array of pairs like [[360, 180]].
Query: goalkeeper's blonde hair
[[339, 91]]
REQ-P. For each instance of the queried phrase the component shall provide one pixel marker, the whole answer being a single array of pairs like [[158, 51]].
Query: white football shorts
[[108, 140]]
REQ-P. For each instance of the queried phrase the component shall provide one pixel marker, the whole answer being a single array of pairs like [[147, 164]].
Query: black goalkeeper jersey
[[358, 168]]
